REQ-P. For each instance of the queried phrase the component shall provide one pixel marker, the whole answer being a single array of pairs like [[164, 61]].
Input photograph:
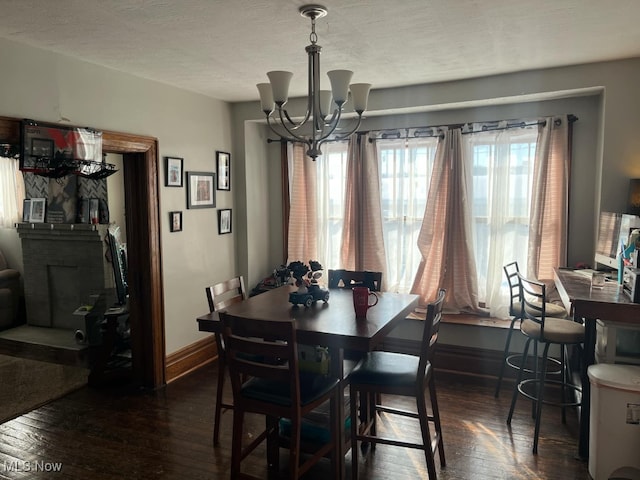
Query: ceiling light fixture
[[317, 123]]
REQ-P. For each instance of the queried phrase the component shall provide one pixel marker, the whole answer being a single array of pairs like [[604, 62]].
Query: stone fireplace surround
[[64, 265]]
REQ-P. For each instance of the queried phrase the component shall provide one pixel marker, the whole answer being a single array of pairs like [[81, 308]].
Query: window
[[405, 171]]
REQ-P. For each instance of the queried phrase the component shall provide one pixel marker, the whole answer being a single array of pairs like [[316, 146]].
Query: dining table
[[331, 324], [612, 308]]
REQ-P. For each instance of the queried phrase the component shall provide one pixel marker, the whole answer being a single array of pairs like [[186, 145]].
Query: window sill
[[468, 319]]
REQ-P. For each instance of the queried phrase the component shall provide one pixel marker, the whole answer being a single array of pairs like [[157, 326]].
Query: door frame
[[142, 210]]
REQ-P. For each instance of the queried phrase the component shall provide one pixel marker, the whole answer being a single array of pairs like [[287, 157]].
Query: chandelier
[[318, 124]]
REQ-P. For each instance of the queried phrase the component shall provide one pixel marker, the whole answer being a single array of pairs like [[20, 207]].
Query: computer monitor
[[613, 229], [119, 263]]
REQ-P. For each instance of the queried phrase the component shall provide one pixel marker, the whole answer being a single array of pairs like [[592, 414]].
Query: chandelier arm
[[294, 125], [288, 139], [283, 124], [345, 136]]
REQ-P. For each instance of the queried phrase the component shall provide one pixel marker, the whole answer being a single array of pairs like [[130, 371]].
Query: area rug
[[28, 384]]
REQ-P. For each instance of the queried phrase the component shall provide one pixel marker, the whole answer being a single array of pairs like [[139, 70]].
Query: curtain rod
[[432, 131]]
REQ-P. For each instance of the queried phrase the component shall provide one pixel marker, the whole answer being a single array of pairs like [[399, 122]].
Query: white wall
[[48, 87]]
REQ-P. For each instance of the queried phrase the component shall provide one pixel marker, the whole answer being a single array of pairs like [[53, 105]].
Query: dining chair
[[275, 387], [220, 296], [405, 375], [537, 326], [511, 272], [354, 278]]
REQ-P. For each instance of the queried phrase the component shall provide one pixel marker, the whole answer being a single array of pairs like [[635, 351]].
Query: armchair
[[9, 293]]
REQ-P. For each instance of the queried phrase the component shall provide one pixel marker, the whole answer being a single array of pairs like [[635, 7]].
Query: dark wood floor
[[123, 433]]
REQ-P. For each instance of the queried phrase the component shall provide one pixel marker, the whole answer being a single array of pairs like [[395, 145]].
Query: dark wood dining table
[[332, 324], [609, 305]]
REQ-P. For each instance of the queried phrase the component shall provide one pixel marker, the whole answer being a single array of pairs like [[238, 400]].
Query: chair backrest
[[352, 278], [224, 294], [533, 300], [511, 270], [430, 333], [261, 349]]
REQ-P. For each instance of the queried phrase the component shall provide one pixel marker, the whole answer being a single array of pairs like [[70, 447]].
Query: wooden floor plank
[[126, 433]]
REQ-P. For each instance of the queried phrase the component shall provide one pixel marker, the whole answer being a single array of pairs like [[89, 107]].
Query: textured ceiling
[[222, 48]]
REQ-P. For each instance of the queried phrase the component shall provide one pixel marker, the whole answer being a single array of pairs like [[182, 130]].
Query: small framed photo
[[175, 221], [223, 162], [201, 192], [37, 209], [26, 210], [224, 221], [173, 171], [42, 147]]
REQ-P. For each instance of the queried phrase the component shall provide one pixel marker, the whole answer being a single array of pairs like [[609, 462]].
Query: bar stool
[[511, 271], [539, 327]]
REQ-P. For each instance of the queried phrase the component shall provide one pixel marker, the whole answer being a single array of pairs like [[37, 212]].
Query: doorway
[[146, 302]]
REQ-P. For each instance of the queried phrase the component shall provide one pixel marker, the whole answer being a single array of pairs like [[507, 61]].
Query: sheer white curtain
[[316, 192], [11, 192], [405, 171], [502, 163]]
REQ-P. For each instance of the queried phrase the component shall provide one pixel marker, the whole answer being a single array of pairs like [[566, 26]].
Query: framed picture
[[173, 172], [37, 208], [26, 209], [175, 221], [224, 221], [42, 147], [201, 192], [223, 161]]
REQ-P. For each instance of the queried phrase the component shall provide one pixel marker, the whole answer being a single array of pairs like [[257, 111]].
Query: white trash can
[[614, 427]]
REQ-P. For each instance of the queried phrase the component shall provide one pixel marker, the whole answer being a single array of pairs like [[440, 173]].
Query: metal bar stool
[[539, 327]]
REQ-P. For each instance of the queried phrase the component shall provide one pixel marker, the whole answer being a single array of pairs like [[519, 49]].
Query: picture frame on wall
[[175, 221], [223, 164], [173, 171], [224, 221], [201, 192], [37, 208]]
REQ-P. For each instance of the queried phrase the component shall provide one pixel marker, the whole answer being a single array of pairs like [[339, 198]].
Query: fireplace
[[64, 266]]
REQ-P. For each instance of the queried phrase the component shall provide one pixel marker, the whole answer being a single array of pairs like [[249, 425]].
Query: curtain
[[405, 170], [502, 162], [445, 239], [362, 235], [303, 228], [12, 192], [550, 200]]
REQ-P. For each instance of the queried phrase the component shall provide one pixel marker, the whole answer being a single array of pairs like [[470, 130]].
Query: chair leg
[[273, 444], [294, 449], [563, 378], [236, 443], [436, 420], [337, 434], [426, 435], [505, 354], [353, 399], [222, 369], [518, 380], [540, 396]]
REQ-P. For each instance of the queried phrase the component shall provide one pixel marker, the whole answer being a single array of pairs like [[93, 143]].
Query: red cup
[[361, 303]]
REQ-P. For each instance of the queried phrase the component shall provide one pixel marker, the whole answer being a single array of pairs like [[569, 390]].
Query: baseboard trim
[[190, 358]]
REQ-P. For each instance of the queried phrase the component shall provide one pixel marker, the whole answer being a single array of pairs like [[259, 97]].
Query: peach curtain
[[362, 234], [303, 224], [550, 200], [445, 239]]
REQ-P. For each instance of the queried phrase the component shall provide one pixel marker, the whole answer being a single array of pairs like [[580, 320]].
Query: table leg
[[337, 369], [588, 358]]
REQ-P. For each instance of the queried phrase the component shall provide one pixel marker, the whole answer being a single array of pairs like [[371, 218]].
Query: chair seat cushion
[[556, 330], [550, 310], [312, 387], [386, 368]]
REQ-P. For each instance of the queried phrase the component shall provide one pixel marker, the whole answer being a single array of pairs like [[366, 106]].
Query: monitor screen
[[613, 230]]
